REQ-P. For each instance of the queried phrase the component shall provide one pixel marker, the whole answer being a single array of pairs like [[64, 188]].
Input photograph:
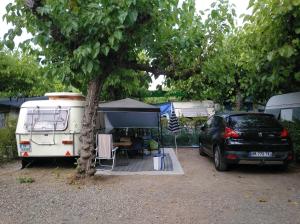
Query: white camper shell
[[50, 128], [285, 107]]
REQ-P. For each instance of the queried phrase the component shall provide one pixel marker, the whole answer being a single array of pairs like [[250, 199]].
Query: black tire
[[201, 150], [220, 163], [25, 163], [284, 167]]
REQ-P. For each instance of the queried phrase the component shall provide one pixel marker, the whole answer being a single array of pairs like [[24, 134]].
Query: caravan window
[[286, 115], [46, 119], [296, 113]]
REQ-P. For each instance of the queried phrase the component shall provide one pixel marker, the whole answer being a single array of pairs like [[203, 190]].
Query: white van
[[285, 107], [50, 128]]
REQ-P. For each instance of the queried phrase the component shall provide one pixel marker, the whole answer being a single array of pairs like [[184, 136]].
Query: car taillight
[[25, 142], [290, 156], [284, 133], [231, 156], [67, 142], [230, 133]]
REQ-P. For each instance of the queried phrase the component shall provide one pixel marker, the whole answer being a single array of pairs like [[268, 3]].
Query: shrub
[[193, 122], [8, 145], [183, 139], [25, 180], [294, 130]]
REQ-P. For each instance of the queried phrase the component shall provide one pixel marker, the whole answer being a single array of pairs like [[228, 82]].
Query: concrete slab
[[177, 169]]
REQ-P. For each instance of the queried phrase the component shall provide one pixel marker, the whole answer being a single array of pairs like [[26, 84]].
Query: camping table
[[123, 148], [122, 144]]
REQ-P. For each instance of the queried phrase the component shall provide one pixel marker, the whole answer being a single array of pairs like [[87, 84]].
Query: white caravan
[[285, 106], [50, 128]]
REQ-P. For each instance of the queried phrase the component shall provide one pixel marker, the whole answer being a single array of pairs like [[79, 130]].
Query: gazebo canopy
[[128, 113]]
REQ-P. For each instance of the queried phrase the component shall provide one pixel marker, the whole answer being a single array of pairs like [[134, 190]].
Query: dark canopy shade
[[128, 113]]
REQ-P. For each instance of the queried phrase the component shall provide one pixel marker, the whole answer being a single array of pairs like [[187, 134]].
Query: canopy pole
[[161, 140], [161, 136], [176, 143]]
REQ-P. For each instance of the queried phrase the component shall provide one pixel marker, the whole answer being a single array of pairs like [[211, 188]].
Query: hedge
[[8, 145]]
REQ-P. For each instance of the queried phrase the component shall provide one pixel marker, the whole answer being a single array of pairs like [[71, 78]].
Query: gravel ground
[[245, 194]]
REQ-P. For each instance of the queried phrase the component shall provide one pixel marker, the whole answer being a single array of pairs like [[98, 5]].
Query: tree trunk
[[239, 99], [86, 163], [238, 93]]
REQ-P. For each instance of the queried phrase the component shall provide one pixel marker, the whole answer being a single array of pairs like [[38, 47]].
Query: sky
[[240, 6]]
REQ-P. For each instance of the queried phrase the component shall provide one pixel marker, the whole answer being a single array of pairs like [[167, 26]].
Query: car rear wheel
[[220, 163], [284, 167], [201, 150]]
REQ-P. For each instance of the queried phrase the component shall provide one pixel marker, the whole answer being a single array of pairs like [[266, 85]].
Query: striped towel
[[105, 145]]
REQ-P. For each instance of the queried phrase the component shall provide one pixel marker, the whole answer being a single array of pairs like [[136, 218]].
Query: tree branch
[[143, 67], [156, 71]]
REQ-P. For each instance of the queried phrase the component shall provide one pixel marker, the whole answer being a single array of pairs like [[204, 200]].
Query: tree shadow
[[52, 163]]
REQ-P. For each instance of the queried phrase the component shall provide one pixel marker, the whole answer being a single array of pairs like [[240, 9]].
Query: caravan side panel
[[49, 143]]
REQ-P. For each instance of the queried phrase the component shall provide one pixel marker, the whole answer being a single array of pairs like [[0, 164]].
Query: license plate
[[25, 148], [260, 154]]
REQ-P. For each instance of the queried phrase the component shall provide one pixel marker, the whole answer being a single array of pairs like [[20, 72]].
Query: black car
[[245, 138]]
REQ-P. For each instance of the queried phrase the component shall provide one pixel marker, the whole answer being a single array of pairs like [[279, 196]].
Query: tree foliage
[[273, 34], [21, 75], [257, 60], [206, 80], [81, 39]]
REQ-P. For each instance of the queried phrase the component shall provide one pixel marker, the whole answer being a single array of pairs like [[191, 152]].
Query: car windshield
[[253, 121], [46, 119]]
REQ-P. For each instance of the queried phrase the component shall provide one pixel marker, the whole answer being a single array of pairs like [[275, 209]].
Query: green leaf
[[296, 2], [251, 3], [105, 50], [115, 47], [297, 30], [111, 41], [96, 50], [118, 35], [286, 51], [18, 31], [214, 14], [122, 16], [10, 44], [90, 67], [271, 56], [132, 16], [297, 76]]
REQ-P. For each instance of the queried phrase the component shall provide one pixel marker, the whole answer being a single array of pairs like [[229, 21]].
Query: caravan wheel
[[25, 163]]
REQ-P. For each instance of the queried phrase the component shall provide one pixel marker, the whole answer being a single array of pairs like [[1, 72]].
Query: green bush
[[294, 130], [8, 145], [188, 134], [153, 145], [193, 122], [183, 139], [25, 180]]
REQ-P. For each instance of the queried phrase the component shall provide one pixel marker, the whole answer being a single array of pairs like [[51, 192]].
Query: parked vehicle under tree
[[245, 138]]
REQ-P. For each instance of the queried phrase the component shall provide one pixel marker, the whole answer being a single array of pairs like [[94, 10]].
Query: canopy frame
[[133, 106]]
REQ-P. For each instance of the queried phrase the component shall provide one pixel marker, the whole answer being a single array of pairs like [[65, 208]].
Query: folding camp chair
[[105, 150]]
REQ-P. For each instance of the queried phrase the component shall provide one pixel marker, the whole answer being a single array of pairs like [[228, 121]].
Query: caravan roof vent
[[65, 96]]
